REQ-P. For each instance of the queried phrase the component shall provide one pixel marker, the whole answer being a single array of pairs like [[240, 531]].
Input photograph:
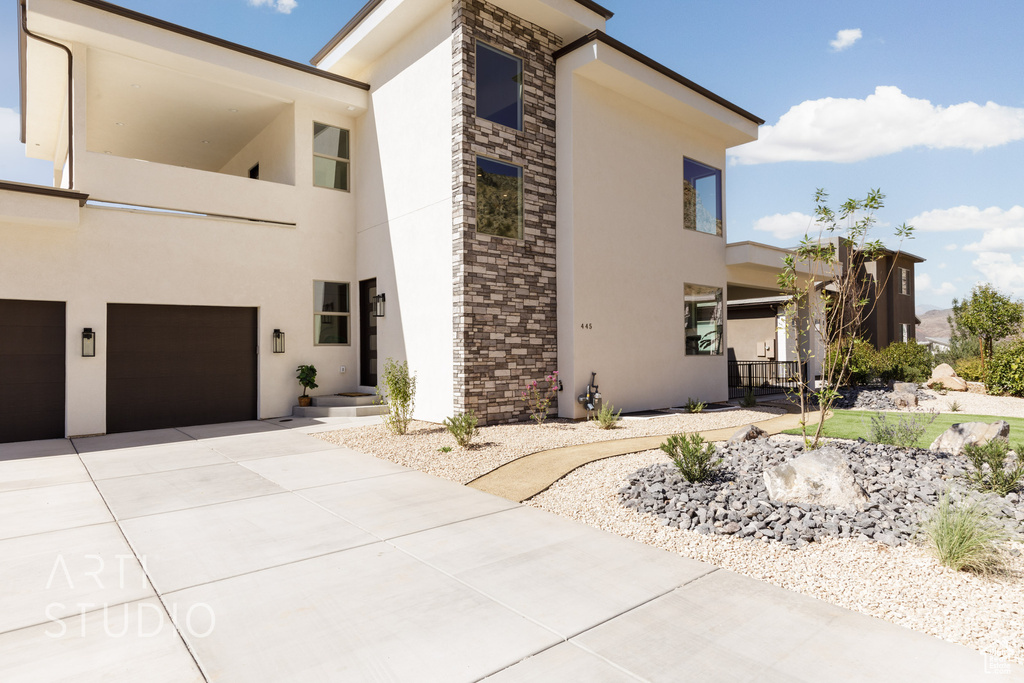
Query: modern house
[[489, 190]]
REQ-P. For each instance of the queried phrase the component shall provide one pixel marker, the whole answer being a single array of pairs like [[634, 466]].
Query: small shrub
[[865, 362], [693, 456], [539, 400], [955, 407], [445, 449], [462, 427], [306, 377], [905, 362], [902, 431], [991, 471], [970, 369], [939, 388], [399, 390], [693, 406], [749, 400], [1006, 369], [606, 417], [965, 537]]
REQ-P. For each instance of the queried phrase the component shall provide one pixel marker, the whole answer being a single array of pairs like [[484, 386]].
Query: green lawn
[[853, 424]]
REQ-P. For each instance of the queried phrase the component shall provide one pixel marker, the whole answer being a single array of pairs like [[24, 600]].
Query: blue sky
[[924, 100]]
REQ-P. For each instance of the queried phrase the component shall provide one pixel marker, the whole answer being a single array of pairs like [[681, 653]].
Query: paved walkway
[[247, 552], [527, 476]]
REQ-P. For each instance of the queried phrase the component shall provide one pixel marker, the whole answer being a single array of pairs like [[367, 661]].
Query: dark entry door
[[367, 334], [32, 353], [174, 366]]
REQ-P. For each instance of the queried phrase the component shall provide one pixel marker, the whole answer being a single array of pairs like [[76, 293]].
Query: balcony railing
[[763, 378]]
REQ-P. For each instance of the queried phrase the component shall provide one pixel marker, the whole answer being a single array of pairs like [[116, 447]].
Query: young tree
[[832, 292], [989, 315]]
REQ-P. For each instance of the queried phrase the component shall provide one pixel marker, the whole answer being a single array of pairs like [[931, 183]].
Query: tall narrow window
[[702, 198], [330, 156], [330, 312], [499, 87], [905, 281], [703, 319], [499, 198]]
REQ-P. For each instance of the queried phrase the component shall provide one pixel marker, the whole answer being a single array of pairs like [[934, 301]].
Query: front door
[[367, 334]]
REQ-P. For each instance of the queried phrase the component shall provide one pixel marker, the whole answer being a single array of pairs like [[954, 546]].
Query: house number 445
[[586, 326]]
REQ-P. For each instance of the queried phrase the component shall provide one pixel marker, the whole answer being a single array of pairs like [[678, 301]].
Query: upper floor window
[[330, 156], [702, 198], [330, 312], [499, 198], [904, 281], [499, 87]]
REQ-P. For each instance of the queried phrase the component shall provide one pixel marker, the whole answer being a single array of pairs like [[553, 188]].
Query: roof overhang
[[616, 66], [380, 24], [27, 205]]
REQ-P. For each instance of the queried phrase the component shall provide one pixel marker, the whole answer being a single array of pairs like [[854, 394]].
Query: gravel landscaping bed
[[928, 400], [903, 584], [903, 486], [496, 445]]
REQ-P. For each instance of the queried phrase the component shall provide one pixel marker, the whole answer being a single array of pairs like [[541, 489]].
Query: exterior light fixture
[[278, 341], [88, 343], [378, 306]]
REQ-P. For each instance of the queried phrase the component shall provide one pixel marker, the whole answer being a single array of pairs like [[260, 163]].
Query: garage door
[[31, 370], [173, 366]]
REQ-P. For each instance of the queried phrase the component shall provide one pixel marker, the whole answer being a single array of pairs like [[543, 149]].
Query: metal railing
[[762, 377]]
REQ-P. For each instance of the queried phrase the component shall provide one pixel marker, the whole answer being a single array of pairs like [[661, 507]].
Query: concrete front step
[[339, 411], [345, 400]]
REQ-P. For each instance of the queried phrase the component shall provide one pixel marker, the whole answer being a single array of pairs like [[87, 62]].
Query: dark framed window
[[330, 313], [905, 281], [499, 86], [330, 156], [704, 320], [702, 198], [499, 198]]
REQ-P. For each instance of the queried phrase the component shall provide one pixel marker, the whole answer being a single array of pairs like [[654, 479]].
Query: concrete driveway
[[255, 552]]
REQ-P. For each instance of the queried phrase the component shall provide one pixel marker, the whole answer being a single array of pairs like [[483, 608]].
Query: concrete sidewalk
[[248, 552], [531, 474]]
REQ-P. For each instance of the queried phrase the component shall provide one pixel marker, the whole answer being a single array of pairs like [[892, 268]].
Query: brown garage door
[[173, 366], [31, 370]]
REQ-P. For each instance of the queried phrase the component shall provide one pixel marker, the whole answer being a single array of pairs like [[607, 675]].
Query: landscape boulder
[[748, 433], [976, 388], [959, 435], [904, 399], [822, 477], [942, 371], [945, 374], [904, 387]]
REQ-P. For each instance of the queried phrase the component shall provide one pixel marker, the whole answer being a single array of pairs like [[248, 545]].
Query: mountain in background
[[925, 308], [933, 323]]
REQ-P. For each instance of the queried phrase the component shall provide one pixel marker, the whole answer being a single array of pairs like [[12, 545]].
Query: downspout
[[23, 10]]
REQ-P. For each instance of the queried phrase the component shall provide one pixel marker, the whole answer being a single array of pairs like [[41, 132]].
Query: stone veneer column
[[504, 289]]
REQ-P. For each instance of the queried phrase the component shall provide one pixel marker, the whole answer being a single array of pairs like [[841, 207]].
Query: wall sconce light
[[88, 343], [278, 341], [378, 306]]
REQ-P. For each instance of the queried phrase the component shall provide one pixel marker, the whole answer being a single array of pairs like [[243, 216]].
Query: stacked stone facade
[[505, 299]]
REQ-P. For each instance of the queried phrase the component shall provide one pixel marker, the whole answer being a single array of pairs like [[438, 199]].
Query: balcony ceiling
[[142, 111]]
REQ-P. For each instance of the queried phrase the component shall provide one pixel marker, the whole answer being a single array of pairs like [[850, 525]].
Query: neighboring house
[[490, 190]]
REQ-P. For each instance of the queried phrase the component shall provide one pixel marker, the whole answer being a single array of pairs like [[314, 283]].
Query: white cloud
[[846, 38], [1003, 228], [786, 226], [885, 122], [282, 6], [923, 284], [1002, 271], [950, 246]]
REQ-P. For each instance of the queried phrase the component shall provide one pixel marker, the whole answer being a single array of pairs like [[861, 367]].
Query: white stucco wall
[[623, 255], [403, 193], [273, 149]]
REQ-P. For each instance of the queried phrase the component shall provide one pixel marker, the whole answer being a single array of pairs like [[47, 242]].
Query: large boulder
[[945, 374], [822, 477], [748, 433], [942, 371], [904, 399], [959, 435], [904, 387], [976, 388]]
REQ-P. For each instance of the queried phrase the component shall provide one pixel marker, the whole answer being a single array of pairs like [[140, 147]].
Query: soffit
[[142, 111]]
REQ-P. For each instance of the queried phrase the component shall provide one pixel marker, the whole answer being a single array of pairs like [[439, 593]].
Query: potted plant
[[307, 378]]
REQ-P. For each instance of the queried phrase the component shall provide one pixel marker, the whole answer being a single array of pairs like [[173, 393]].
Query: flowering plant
[[538, 399]]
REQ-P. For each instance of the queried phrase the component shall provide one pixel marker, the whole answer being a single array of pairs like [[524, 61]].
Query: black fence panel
[[762, 377]]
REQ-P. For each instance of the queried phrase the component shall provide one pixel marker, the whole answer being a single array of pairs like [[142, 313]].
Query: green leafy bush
[[693, 456], [865, 363], [905, 362], [902, 431], [695, 406], [970, 369], [606, 417], [1006, 369], [399, 390], [965, 537], [462, 427], [306, 377], [991, 471]]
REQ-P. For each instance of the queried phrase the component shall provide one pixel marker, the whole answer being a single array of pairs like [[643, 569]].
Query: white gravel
[[496, 445], [902, 585], [974, 404]]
